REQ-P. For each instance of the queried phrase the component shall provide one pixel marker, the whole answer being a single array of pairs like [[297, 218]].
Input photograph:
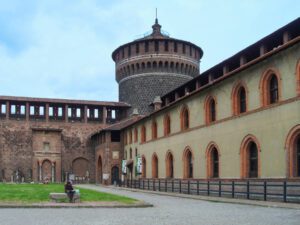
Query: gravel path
[[167, 210]]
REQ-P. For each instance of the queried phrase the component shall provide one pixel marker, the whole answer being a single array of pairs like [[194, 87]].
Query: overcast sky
[[62, 48]]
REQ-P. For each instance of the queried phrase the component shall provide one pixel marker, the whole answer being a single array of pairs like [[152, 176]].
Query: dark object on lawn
[[69, 190]]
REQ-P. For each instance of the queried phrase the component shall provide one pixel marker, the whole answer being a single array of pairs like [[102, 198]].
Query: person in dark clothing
[[69, 190]]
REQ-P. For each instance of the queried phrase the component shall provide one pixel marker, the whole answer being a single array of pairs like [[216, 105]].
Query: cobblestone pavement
[[167, 211]]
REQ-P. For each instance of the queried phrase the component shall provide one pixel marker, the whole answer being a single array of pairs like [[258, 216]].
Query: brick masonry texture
[[141, 91], [21, 147]]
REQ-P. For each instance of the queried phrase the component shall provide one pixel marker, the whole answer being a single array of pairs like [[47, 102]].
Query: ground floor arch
[[292, 147], [250, 157], [115, 175], [169, 165], [80, 169]]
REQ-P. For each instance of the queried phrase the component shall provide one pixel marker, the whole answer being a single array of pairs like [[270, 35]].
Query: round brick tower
[[152, 66]]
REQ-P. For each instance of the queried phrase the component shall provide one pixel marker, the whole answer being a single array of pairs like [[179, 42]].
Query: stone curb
[[140, 204], [218, 199]]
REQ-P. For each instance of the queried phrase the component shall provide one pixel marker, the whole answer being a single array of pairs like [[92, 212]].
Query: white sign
[[139, 165], [124, 168], [115, 155], [71, 176], [105, 176]]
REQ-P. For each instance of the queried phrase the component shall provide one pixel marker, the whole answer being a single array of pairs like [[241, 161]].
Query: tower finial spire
[[156, 27]]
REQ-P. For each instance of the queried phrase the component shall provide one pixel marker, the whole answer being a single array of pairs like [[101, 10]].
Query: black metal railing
[[268, 190]]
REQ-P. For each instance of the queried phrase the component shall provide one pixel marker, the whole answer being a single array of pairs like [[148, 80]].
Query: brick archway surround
[[244, 155], [264, 85], [290, 147]]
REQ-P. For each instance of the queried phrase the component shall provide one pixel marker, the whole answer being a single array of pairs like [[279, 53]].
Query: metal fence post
[[172, 185], [153, 187], [248, 190], [208, 191], [284, 191], [265, 190], [232, 189], [158, 184], [189, 191], [220, 188], [179, 186], [197, 187], [166, 183]]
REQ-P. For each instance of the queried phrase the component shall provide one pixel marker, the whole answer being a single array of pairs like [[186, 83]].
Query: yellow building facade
[[244, 123]]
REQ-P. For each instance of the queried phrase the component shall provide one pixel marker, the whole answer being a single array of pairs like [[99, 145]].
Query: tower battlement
[[152, 66]]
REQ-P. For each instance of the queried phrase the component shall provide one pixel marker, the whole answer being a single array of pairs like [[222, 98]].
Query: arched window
[[212, 107], [298, 78], [242, 100], [143, 134], [130, 137], [298, 156], [166, 67], [160, 65], [184, 118], [130, 153], [167, 125], [154, 166], [210, 110], [239, 99], [177, 67], [270, 87], [148, 65], [136, 152], [135, 135], [188, 164], [273, 90], [213, 161], [154, 130], [292, 146], [169, 165], [250, 157], [182, 68], [143, 167], [253, 160], [172, 66]]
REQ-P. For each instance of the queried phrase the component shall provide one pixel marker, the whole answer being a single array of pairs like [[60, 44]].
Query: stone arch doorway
[[80, 168], [154, 166], [99, 170], [169, 165], [115, 175], [46, 171], [188, 163]]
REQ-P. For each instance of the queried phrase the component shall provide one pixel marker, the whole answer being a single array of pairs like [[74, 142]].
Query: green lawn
[[32, 193]]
